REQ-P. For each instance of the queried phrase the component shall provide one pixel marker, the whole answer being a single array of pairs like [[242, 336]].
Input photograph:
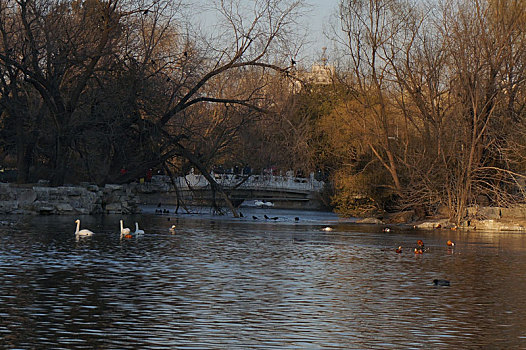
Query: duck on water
[[438, 282]]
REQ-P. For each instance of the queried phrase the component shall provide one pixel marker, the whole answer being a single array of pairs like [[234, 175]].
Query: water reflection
[[240, 283]]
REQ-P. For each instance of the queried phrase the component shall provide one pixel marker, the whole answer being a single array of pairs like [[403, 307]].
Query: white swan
[[83, 232], [172, 229], [137, 231], [124, 231]]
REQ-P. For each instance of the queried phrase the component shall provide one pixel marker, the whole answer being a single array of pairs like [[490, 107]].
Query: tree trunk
[[178, 195], [22, 153], [60, 162], [215, 186]]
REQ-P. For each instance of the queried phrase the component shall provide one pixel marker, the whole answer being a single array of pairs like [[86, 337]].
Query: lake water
[[226, 283]]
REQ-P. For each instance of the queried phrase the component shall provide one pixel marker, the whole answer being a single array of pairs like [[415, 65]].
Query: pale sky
[[318, 20]]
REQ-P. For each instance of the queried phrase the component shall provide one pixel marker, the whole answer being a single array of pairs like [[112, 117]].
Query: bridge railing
[[257, 182]]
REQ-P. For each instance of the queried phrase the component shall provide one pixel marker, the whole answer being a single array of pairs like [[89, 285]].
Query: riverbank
[[477, 218], [87, 199], [41, 199]]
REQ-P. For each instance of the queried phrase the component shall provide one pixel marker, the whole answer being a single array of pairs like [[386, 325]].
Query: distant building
[[320, 73]]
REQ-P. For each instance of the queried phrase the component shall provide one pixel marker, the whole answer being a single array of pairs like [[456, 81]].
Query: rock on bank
[[83, 199]]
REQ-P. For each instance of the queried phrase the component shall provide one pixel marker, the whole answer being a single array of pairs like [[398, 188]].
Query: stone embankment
[[63, 200], [477, 218]]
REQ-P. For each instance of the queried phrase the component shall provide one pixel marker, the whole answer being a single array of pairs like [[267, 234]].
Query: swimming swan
[[137, 231], [83, 232], [124, 231]]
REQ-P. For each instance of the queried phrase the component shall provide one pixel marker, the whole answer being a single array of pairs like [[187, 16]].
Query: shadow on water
[[221, 282]]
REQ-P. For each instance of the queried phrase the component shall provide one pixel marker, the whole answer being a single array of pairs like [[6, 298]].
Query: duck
[[254, 217], [328, 229], [450, 243], [296, 219], [137, 231], [172, 229], [124, 231], [386, 229], [420, 249], [83, 232], [399, 249], [266, 217], [438, 282]]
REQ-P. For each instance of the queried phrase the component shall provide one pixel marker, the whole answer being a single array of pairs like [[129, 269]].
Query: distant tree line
[[426, 111], [90, 87], [432, 114]]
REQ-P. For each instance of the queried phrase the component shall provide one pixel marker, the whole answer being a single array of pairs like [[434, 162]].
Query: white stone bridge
[[283, 191]]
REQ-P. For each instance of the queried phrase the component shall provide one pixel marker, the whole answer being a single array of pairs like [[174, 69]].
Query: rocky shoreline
[[87, 199], [477, 218], [41, 199]]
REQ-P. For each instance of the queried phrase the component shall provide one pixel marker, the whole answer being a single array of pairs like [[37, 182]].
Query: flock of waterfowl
[[266, 217], [125, 231], [420, 249]]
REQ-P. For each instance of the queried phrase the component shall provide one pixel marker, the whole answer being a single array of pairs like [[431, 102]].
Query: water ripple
[[238, 285]]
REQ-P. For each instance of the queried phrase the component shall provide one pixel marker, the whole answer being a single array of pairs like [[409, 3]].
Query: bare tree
[[437, 97], [130, 83], [241, 55], [368, 26], [58, 49]]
